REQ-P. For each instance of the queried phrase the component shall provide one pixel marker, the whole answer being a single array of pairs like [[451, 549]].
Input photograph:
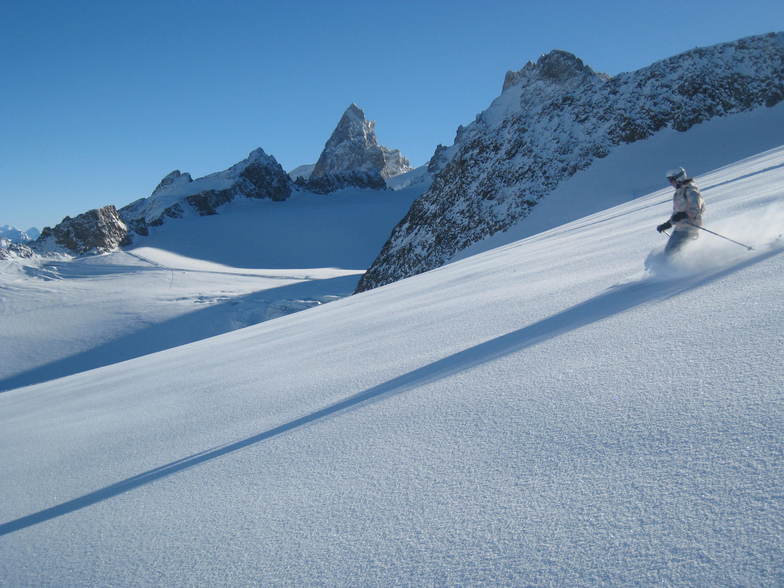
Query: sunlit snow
[[544, 413]]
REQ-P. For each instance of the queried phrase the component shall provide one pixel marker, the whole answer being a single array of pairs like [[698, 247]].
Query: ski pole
[[722, 236]]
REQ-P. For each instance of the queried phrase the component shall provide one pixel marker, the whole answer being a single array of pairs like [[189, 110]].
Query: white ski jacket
[[687, 198]]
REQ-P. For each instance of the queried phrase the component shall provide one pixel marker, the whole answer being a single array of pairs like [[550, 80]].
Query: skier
[[687, 209]]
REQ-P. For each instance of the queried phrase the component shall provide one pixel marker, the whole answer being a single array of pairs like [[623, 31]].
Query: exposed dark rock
[[11, 250], [263, 180], [337, 181], [96, 231], [206, 202]]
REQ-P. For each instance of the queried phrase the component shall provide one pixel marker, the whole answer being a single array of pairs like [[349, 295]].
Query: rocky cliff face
[[353, 157], [258, 176], [95, 231], [554, 118]]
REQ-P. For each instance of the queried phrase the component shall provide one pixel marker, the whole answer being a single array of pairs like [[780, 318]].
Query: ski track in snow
[[543, 413]]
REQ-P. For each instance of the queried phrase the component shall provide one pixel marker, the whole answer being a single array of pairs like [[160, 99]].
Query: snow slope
[[190, 279], [545, 413]]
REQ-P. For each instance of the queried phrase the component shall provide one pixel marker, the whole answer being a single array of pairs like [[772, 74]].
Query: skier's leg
[[678, 239]]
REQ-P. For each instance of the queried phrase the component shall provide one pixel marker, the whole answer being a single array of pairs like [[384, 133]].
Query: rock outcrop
[[96, 231], [12, 250], [554, 118]]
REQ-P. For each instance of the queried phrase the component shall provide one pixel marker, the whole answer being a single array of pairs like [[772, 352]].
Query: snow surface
[[190, 279], [419, 177], [546, 413]]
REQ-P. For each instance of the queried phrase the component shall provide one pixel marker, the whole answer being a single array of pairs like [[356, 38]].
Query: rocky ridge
[[554, 118], [95, 231], [11, 250]]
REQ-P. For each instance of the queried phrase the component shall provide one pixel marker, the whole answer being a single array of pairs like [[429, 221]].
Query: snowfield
[[191, 279], [545, 413]]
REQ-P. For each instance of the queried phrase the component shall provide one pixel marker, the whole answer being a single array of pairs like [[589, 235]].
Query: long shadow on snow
[[615, 301], [216, 319]]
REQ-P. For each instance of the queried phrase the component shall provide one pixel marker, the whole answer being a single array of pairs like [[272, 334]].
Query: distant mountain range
[[16, 235], [352, 158], [554, 118]]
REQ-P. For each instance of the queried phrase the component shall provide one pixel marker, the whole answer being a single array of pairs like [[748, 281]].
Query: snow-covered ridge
[[556, 117], [302, 171], [257, 176]]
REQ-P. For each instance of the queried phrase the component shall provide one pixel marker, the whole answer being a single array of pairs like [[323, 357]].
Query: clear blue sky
[[100, 99]]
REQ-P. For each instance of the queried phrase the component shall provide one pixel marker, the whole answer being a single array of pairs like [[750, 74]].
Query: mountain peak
[[557, 66], [560, 65], [352, 151], [175, 177], [353, 127], [354, 112]]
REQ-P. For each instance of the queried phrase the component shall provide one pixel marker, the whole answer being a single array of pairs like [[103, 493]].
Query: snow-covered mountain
[[258, 176], [353, 157], [556, 117], [544, 413], [302, 171], [248, 245], [16, 235]]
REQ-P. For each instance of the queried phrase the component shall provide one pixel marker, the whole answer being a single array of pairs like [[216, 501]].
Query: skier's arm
[[693, 208], [678, 216]]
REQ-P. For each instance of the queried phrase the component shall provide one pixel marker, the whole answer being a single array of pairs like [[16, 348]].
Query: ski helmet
[[678, 174]]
